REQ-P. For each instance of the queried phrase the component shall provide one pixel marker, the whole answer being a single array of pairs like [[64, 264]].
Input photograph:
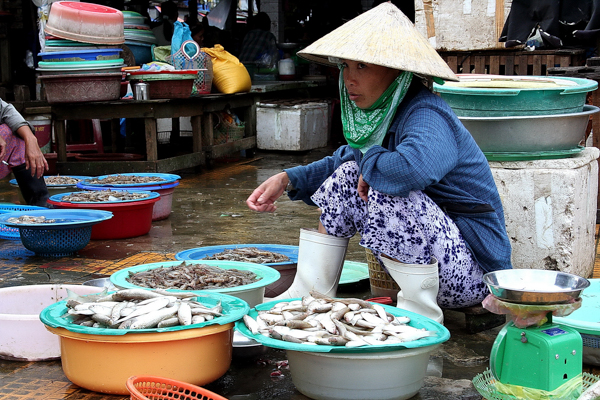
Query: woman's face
[[367, 82]]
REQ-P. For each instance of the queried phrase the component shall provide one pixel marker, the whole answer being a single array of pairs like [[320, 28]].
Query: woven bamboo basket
[[382, 284]]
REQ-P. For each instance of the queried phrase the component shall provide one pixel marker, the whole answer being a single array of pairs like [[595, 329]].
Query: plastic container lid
[[200, 253], [266, 274], [164, 75], [416, 320], [585, 319], [532, 155], [233, 309], [81, 64], [353, 272], [84, 54], [59, 198]]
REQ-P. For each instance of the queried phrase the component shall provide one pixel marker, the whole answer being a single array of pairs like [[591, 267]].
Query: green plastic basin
[[502, 96]]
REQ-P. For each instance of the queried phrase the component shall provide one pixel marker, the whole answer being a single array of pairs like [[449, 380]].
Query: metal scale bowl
[[531, 350]]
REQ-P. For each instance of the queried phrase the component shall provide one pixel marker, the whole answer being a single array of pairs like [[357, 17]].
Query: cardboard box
[[462, 24]]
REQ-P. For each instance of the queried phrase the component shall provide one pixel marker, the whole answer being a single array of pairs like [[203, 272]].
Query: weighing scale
[[532, 352]]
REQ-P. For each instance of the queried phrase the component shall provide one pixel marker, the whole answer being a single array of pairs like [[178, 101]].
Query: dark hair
[[169, 9], [262, 21], [197, 28]]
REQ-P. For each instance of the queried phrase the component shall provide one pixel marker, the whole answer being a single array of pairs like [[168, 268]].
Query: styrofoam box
[[294, 125]]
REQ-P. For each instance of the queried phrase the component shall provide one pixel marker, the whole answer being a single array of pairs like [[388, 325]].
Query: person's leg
[[411, 230], [32, 188], [321, 254], [414, 230]]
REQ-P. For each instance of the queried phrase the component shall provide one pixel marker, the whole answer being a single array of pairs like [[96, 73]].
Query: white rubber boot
[[320, 264], [419, 286]]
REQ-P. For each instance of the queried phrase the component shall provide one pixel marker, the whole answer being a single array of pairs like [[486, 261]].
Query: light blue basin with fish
[[252, 293]]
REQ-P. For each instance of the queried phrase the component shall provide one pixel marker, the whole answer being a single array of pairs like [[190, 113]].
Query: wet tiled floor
[[209, 209]]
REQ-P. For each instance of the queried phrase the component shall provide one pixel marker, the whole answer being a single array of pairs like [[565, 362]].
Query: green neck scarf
[[365, 128]]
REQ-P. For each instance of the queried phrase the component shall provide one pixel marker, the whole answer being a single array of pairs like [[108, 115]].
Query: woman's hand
[[34, 158], [363, 188], [263, 198]]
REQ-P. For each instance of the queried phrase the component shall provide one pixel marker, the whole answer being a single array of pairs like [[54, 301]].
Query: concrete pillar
[[550, 211]]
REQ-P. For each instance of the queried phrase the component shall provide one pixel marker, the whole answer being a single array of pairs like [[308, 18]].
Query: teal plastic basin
[[504, 102]]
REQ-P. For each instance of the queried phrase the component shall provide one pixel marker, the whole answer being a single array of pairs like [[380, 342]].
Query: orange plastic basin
[[103, 363]]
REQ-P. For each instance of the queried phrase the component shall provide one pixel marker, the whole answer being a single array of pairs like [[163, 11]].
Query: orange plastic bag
[[229, 74]]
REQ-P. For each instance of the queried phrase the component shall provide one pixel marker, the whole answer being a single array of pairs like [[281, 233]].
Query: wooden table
[[199, 109]]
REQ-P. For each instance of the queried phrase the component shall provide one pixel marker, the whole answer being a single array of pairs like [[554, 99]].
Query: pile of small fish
[[125, 179], [61, 180], [29, 219], [321, 320], [138, 309], [249, 254], [103, 195], [186, 276]]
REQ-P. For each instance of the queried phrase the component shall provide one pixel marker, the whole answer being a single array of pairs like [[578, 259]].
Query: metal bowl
[[535, 286], [529, 133]]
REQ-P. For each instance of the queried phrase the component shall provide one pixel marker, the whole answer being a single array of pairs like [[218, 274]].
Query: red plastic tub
[[130, 219], [162, 208]]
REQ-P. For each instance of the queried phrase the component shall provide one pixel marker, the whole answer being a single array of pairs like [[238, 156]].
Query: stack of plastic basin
[[80, 70], [138, 37], [165, 188]]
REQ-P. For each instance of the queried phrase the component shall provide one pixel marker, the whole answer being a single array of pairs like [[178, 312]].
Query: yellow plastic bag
[[229, 74]]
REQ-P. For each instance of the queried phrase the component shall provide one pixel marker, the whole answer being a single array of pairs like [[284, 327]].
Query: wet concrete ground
[[209, 209]]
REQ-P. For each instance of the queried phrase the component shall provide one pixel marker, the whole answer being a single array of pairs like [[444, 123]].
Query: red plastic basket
[[130, 219], [157, 388]]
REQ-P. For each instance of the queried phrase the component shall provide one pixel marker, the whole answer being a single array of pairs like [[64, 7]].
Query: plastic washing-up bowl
[[85, 22], [131, 218], [479, 95], [387, 372], [70, 232], [52, 189], [80, 87], [162, 208], [23, 336], [286, 269], [102, 359], [252, 293]]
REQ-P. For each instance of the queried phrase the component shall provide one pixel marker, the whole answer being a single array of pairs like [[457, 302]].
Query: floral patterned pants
[[411, 230], [15, 150]]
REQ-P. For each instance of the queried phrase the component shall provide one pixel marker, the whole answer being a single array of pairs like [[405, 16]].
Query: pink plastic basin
[[85, 22]]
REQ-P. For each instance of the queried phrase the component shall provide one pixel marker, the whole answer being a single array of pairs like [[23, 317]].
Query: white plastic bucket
[[390, 375], [23, 337]]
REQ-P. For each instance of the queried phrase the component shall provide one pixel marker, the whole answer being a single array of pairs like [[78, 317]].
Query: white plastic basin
[[23, 337], [392, 375]]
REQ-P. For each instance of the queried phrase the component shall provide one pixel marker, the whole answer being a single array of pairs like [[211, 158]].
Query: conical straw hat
[[382, 36]]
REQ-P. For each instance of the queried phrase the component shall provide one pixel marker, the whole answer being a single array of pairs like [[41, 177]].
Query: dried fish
[[333, 322], [186, 276], [137, 309], [249, 254], [28, 219], [61, 180], [95, 196], [119, 179]]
